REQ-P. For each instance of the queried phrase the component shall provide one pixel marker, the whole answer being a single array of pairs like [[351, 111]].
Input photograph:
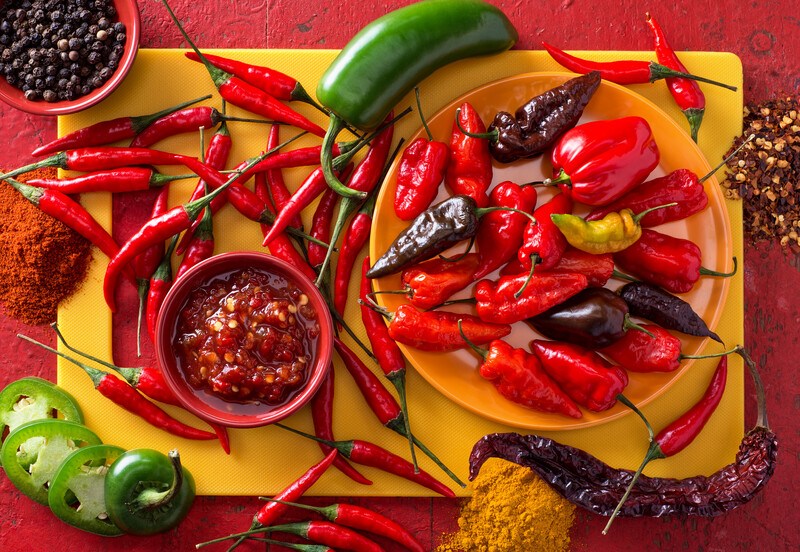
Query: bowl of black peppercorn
[[63, 56]]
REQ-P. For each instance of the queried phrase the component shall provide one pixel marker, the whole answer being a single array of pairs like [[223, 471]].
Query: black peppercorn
[[49, 96]]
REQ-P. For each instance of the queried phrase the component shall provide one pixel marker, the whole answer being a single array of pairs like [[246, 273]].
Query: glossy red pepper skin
[[276, 185], [598, 269], [321, 226], [500, 233], [421, 171], [200, 248], [438, 330], [367, 520], [123, 179], [146, 263], [470, 169], [390, 358], [311, 188], [157, 290], [433, 282], [681, 186], [519, 377], [99, 158], [337, 537], [639, 352], [190, 119], [543, 243], [355, 237], [589, 379], [496, 301], [667, 261], [601, 161]]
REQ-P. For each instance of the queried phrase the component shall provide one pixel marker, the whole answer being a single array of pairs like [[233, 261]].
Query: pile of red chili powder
[[42, 262]]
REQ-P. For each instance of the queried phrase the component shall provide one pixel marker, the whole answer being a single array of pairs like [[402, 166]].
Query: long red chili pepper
[[311, 188], [157, 290], [123, 179], [686, 92], [322, 416], [200, 247], [107, 132], [370, 454], [470, 169], [623, 72], [122, 394], [276, 185], [680, 433], [239, 93], [330, 534], [321, 227], [356, 235]]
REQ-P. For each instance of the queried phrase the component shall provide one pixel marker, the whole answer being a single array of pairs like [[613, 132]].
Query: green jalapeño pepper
[[31, 475], [148, 492], [33, 398], [77, 493], [394, 53]]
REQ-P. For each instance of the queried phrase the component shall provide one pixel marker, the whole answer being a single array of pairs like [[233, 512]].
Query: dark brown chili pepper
[[590, 483], [665, 309]]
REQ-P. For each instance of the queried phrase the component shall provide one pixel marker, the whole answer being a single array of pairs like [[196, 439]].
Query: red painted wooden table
[[764, 35]]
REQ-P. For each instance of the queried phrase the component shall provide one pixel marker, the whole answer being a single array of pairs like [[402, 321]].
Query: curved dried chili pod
[[538, 123], [665, 309]]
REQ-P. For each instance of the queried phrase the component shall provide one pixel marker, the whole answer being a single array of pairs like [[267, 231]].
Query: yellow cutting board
[[265, 460]]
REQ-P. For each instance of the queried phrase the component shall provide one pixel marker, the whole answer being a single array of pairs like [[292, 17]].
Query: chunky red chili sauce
[[247, 336]]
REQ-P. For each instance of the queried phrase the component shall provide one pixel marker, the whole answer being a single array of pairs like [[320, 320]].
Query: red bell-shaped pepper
[[589, 379], [601, 161], [470, 169]]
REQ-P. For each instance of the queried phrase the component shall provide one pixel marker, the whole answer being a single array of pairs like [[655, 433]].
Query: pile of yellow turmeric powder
[[511, 509]]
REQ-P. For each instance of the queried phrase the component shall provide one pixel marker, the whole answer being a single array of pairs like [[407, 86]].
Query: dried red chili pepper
[[601, 161], [624, 72], [433, 282], [106, 132], [667, 261], [469, 171], [500, 233], [355, 237], [497, 301], [589, 379], [241, 94], [519, 377], [370, 454], [125, 396], [592, 484], [123, 179], [422, 168]]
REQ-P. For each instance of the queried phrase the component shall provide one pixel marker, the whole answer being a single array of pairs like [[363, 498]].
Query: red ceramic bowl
[[127, 13], [210, 407]]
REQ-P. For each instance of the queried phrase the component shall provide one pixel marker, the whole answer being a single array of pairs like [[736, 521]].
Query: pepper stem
[[562, 177], [298, 528], [344, 447], [728, 158], [326, 160], [480, 352], [150, 498], [492, 136], [95, 374], [131, 375], [422, 115], [695, 118], [622, 276], [639, 216], [462, 255], [712, 355], [658, 71], [480, 211], [761, 396], [59, 160], [398, 380], [708, 272], [535, 259], [142, 286], [628, 324]]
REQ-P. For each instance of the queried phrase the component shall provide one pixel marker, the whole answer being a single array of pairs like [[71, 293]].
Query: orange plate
[[456, 374]]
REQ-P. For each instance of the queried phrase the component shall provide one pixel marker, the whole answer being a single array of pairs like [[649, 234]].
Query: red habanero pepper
[[623, 72], [518, 376], [500, 233], [241, 94], [686, 92], [322, 417], [123, 179], [680, 433], [125, 396], [601, 161], [433, 282], [356, 235], [470, 169], [667, 261], [497, 302], [106, 132], [438, 330], [589, 379]]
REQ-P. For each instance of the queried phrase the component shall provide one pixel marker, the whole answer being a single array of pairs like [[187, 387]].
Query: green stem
[[483, 353], [492, 136], [708, 272], [142, 286], [59, 160], [151, 499], [658, 71], [712, 355], [398, 380], [622, 276], [628, 324], [143, 121], [535, 259], [639, 216], [326, 158], [422, 115]]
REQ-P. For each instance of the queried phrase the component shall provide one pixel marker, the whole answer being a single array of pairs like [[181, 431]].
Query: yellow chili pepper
[[612, 233]]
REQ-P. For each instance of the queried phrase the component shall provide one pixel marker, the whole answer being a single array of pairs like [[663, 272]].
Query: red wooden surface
[[764, 35]]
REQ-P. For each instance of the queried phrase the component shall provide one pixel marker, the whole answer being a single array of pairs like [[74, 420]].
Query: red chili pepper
[[470, 169], [107, 132], [589, 379], [186, 120], [598, 269], [322, 416], [125, 396], [623, 72], [239, 93], [200, 247], [543, 243], [390, 358], [274, 83], [276, 186], [321, 227], [355, 237], [601, 161], [681, 186], [433, 282], [497, 302], [686, 92], [337, 537], [160, 282], [124, 179], [519, 377], [311, 188], [500, 233], [667, 261]]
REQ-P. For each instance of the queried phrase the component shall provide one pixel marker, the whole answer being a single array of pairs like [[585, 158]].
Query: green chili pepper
[[77, 494], [394, 53], [148, 492], [612, 233]]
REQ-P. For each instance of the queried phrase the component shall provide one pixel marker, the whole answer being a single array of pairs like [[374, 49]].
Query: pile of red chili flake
[[765, 174]]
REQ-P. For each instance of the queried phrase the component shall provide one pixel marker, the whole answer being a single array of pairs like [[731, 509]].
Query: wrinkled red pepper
[[470, 169], [601, 161], [543, 243], [433, 282], [598, 269], [639, 352], [589, 379]]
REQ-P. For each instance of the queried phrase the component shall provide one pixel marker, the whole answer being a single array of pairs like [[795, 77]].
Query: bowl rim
[[171, 305], [15, 97]]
